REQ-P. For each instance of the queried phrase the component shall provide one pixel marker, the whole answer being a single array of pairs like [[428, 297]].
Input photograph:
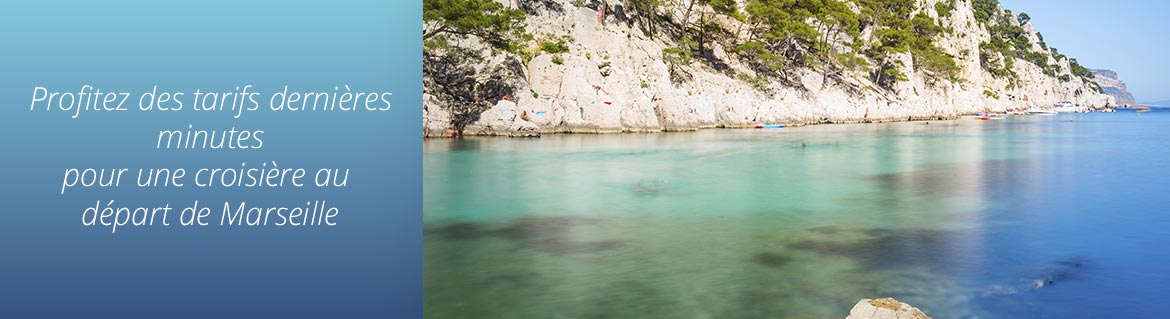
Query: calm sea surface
[[1030, 217]]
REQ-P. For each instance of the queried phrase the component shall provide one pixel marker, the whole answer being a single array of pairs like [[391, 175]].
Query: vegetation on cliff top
[[774, 37], [1009, 41], [499, 26]]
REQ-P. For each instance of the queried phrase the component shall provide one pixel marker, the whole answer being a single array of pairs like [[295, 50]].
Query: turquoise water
[[1031, 217]]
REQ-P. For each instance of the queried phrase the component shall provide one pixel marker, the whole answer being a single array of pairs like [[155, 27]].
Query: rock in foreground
[[885, 308]]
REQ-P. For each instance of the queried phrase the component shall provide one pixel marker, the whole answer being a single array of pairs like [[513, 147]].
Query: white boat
[[1068, 107], [1039, 111]]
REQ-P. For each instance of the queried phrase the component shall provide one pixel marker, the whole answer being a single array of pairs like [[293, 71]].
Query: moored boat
[[1068, 107], [1039, 111], [989, 116]]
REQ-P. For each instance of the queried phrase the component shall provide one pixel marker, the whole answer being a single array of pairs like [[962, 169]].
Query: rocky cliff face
[[613, 78], [1112, 86]]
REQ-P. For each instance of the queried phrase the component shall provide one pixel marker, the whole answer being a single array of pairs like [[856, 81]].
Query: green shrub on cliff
[[499, 26], [944, 8], [775, 36], [758, 82], [926, 54], [1008, 42], [898, 31], [554, 47], [1024, 17], [681, 54], [644, 13], [1079, 70], [780, 29], [985, 10]]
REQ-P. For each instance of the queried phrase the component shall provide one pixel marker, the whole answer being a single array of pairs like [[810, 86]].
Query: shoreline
[[523, 135], [538, 134]]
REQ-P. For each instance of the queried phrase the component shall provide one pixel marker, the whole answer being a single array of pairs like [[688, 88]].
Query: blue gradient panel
[[369, 265]]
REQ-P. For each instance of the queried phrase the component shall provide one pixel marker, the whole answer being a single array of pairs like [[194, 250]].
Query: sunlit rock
[[885, 308]]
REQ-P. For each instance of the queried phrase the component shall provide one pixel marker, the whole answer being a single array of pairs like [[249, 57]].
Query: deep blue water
[[1097, 202]]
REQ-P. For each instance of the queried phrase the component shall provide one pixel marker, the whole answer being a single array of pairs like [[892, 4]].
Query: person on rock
[[602, 10]]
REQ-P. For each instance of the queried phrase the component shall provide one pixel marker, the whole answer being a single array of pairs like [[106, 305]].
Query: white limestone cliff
[[613, 79]]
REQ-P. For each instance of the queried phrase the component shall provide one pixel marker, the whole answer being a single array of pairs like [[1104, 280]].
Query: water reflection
[[753, 223]]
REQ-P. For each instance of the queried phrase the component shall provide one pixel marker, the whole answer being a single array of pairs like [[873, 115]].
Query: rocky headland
[[686, 65], [1111, 85]]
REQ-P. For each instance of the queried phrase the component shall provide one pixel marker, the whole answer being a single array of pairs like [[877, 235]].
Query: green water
[[787, 223]]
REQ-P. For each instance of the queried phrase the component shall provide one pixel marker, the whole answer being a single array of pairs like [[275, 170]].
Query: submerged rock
[[543, 234], [885, 308]]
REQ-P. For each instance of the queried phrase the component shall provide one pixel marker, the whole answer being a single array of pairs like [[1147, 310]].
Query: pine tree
[[492, 22]]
